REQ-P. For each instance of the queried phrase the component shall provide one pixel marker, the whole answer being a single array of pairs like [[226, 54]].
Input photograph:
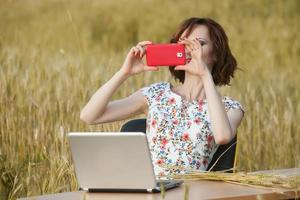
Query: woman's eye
[[200, 41]]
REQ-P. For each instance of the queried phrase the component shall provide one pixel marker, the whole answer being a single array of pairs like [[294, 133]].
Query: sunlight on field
[[55, 54]]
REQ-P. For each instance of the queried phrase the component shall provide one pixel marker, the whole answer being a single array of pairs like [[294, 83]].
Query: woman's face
[[202, 32]]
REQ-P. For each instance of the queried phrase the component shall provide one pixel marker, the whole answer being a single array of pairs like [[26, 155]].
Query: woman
[[185, 123]]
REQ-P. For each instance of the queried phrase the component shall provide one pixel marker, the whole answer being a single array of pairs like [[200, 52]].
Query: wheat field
[[54, 54]]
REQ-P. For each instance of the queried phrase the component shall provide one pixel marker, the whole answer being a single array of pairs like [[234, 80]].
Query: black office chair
[[223, 159]]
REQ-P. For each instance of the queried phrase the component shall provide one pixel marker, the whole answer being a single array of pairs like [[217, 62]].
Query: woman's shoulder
[[228, 98], [152, 91], [232, 103]]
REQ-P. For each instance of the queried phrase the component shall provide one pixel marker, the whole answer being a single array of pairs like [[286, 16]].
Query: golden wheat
[[55, 54]]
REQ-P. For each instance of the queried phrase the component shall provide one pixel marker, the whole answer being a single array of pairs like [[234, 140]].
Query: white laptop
[[114, 161]]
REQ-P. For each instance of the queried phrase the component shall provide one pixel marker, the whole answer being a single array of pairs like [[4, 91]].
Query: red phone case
[[165, 54]]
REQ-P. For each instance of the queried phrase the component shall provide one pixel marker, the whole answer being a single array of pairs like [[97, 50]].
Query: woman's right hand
[[133, 63]]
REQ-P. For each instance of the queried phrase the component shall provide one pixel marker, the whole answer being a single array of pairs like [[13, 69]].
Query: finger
[[198, 46], [143, 43], [148, 68], [192, 43], [132, 51], [188, 41], [141, 50], [136, 50], [196, 43], [188, 45], [180, 67]]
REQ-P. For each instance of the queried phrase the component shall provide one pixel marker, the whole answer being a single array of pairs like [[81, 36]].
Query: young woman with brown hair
[[185, 123]]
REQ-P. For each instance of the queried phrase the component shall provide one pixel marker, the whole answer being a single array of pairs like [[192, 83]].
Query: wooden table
[[197, 190]]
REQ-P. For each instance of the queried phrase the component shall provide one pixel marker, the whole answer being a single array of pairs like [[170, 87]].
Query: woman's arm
[[224, 125], [99, 109]]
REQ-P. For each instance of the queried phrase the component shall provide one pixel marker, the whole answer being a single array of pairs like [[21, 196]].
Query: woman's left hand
[[196, 66]]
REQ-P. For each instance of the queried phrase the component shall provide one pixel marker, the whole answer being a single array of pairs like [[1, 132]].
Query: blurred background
[[55, 54]]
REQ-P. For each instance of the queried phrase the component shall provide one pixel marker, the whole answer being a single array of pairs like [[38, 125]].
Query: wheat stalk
[[243, 178]]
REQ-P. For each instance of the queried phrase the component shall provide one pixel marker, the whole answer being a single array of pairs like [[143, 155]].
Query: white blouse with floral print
[[179, 132]]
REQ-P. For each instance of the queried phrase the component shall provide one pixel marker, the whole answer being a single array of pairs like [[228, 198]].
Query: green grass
[[55, 54]]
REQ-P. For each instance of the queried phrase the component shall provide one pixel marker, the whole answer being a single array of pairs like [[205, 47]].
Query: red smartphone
[[165, 54]]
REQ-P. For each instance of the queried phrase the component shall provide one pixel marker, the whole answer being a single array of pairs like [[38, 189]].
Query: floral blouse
[[179, 133]]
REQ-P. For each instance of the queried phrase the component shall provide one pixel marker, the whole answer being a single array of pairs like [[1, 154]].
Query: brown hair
[[225, 63]]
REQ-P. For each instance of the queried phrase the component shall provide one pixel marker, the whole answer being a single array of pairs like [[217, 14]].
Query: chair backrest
[[135, 125], [223, 159]]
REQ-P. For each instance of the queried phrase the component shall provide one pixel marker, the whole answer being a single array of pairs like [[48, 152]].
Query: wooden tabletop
[[197, 190]]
